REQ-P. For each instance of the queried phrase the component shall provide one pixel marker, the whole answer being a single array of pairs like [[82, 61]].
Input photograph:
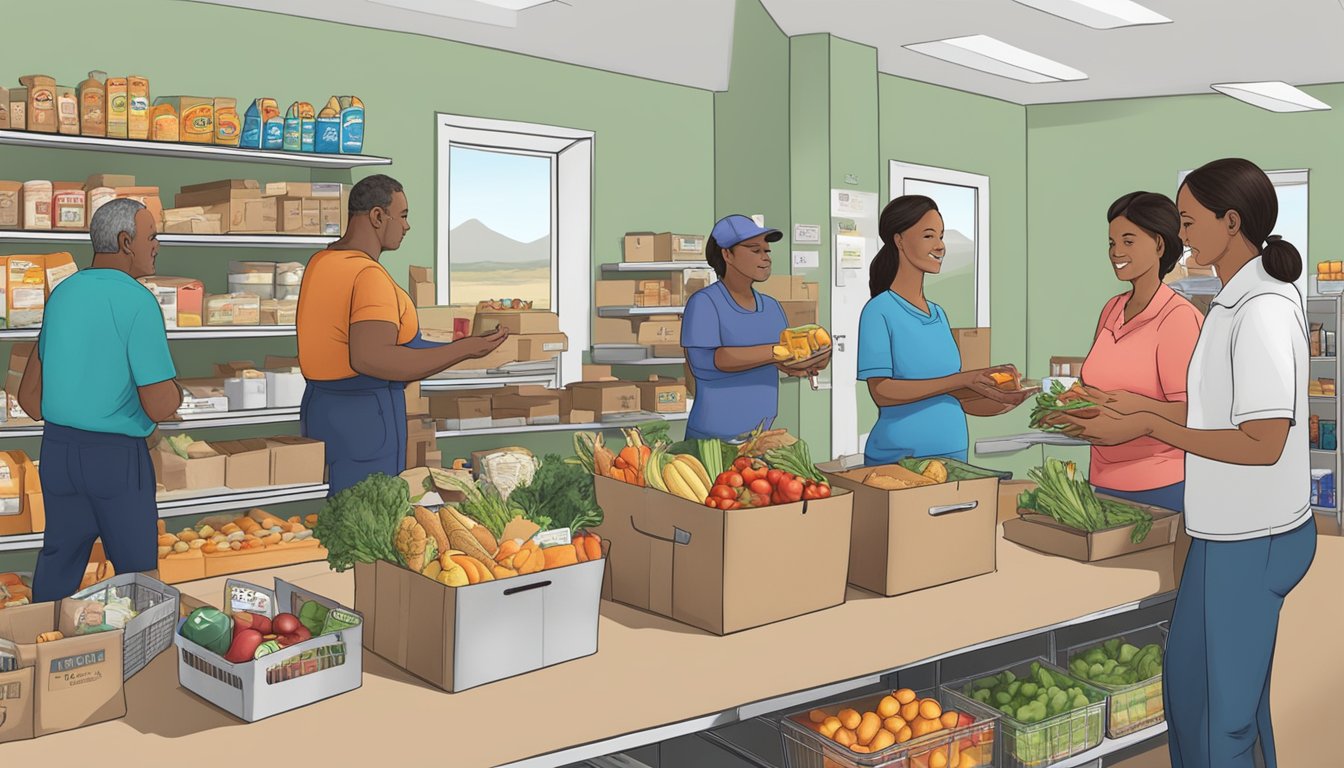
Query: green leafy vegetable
[[1049, 402], [655, 432], [486, 505], [1071, 501], [561, 494], [358, 525], [795, 459]]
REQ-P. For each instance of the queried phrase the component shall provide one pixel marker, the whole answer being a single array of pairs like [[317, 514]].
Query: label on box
[[73, 671], [249, 600], [556, 538]]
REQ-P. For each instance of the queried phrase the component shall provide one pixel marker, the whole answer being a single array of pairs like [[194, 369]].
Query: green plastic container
[[209, 628]]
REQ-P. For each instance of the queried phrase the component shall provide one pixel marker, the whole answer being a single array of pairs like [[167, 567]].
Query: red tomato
[[735, 480], [741, 463], [774, 475], [810, 492], [731, 504], [823, 491], [761, 486], [722, 492], [793, 489], [712, 503], [722, 479], [759, 500]]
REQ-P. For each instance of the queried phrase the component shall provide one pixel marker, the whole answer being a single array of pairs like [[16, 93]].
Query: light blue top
[[102, 338], [730, 404], [897, 340]]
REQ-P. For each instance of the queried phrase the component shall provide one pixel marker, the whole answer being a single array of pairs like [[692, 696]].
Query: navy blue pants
[[363, 423], [94, 485], [1220, 652], [1170, 497]]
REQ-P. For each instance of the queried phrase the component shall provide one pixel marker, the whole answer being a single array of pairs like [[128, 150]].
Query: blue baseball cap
[[734, 229]]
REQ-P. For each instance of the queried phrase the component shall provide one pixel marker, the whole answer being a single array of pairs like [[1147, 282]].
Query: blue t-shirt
[[898, 341], [102, 338], [730, 404]]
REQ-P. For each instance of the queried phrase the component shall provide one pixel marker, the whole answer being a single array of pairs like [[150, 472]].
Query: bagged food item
[[41, 90], [18, 109], [83, 617], [228, 128], [37, 205], [11, 205], [352, 125], [117, 108], [137, 107], [67, 110], [4, 107], [93, 105], [68, 205], [327, 139], [164, 124], [27, 294], [196, 118], [97, 197]]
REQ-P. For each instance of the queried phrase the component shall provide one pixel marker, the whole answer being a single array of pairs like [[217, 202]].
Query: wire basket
[[151, 631]]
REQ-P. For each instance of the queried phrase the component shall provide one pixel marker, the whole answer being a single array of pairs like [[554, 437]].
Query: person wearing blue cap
[[729, 332]]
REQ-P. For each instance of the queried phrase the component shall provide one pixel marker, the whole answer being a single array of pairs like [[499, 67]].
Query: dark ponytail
[[1234, 184], [714, 255], [1156, 215], [900, 214]]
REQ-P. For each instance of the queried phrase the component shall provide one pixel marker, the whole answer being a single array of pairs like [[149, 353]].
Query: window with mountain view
[[501, 213]]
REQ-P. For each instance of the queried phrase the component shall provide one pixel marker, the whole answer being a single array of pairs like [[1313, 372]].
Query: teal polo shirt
[[102, 338]]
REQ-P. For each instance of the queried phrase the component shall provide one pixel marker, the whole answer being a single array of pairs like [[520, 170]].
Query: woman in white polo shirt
[[1248, 470]]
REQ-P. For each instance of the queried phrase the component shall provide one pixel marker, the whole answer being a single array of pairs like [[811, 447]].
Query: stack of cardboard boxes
[[797, 298], [422, 442], [68, 205], [242, 386], [647, 247], [600, 397], [534, 335], [231, 206], [280, 460]]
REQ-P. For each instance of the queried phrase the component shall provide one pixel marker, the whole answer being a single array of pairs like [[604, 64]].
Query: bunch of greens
[[486, 505], [561, 495], [1071, 501], [359, 524], [1048, 403], [795, 459]]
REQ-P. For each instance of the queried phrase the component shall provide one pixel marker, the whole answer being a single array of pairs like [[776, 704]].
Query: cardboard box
[[113, 180], [798, 313], [18, 363], [460, 405], [544, 346], [518, 323], [421, 286], [4, 108], [668, 350], [911, 539], [332, 217], [604, 398], [293, 677], [417, 404], [536, 409], [615, 293], [783, 287], [662, 395], [178, 474], [328, 190], [201, 223], [297, 215], [614, 330], [670, 247], [597, 373], [722, 571], [182, 299], [247, 463], [65, 684], [1044, 534], [421, 440], [25, 290], [973, 344], [506, 352], [232, 309], [29, 501], [41, 92], [457, 638], [11, 205], [811, 292], [659, 329], [297, 460], [443, 318], [639, 247], [68, 206], [18, 109], [1066, 366], [279, 312]]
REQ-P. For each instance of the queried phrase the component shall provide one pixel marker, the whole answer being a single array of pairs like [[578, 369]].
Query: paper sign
[[805, 260], [856, 204], [249, 600], [850, 252], [555, 538], [807, 234]]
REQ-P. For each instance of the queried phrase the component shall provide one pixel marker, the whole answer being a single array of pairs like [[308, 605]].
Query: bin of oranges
[[896, 729]]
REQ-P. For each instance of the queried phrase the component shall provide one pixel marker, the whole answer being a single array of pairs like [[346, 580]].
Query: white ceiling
[[688, 41]]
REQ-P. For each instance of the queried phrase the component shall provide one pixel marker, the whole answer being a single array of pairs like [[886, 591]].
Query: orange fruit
[[894, 724], [859, 748], [850, 719], [830, 726], [938, 760], [949, 719], [846, 738], [909, 711], [967, 761], [817, 716], [905, 735], [882, 740], [868, 728], [905, 696], [929, 709], [888, 707]]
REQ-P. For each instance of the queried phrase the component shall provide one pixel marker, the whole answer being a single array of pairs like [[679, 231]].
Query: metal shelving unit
[[484, 381], [188, 151], [190, 421], [558, 427], [181, 334], [654, 266], [213, 241], [1327, 310], [638, 311]]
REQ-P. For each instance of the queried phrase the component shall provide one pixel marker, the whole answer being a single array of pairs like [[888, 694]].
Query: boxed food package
[[26, 291], [192, 221], [919, 529], [203, 468], [68, 205], [452, 637], [247, 463], [67, 110], [203, 396], [246, 392], [297, 460], [259, 122], [670, 247], [615, 293], [518, 323], [662, 395], [164, 122], [137, 108], [228, 126], [233, 309], [535, 409], [18, 109], [146, 196], [973, 344], [614, 330], [604, 397], [284, 389], [37, 205], [21, 502], [117, 108], [659, 329], [287, 677], [544, 346], [279, 312], [195, 116], [58, 267], [729, 574], [11, 205], [92, 95], [639, 247], [98, 197], [252, 277], [41, 92], [1044, 534], [65, 683], [421, 286]]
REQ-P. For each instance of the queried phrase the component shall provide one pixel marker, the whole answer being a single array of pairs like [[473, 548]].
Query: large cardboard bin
[[723, 571], [457, 638], [916, 538]]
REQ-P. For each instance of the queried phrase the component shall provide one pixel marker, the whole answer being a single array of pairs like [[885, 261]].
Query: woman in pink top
[[1144, 342]]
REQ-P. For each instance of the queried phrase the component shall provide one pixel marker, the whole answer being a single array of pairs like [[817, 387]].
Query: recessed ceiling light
[[500, 13], [1273, 96], [996, 57], [1099, 14]]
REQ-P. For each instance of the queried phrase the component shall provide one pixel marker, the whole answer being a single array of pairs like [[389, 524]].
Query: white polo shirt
[[1250, 364]]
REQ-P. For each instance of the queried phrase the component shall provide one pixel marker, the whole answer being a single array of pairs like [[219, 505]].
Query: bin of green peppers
[[1128, 668], [1048, 715]]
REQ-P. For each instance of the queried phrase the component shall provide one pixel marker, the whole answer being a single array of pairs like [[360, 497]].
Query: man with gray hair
[[101, 378]]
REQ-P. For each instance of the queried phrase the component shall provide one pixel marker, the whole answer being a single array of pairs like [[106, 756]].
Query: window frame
[[571, 153]]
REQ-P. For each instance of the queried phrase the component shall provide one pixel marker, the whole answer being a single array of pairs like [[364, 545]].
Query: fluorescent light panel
[[499, 13], [1273, 96], [1099, 14], [996, 57]]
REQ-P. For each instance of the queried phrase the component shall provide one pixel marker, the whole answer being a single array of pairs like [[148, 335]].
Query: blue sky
[[509, 193]]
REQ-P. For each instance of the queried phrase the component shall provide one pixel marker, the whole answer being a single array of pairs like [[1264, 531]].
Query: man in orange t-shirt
[[359, 342]]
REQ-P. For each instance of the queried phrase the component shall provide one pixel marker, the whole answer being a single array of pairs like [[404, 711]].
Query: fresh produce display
[[1056, 400], [880, 723], [1069, 499], [245, 636], [15, 590], [1130, 675], [561, 493], [1048, 715], [257, 530], [801, 343], [359, 524]]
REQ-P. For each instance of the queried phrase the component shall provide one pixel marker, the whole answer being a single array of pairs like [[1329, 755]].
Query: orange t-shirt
[[1148, 356], [341, 288]]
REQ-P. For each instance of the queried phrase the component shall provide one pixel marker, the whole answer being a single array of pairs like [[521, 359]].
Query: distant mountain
[[473, 241]]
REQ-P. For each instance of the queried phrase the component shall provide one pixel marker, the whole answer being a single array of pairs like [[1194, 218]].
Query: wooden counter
[[649, 673]]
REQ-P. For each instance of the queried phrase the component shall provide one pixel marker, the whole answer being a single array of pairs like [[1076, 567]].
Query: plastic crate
[[1027, 745], [969, 746], [1134, 707], [151, 631]]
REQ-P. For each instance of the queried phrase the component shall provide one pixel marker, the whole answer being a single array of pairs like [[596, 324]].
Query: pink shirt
[[1148, 356]]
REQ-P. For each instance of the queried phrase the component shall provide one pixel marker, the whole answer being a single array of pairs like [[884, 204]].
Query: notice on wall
[[858, 205], [807, 234], [850, 252], [805, 260]]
